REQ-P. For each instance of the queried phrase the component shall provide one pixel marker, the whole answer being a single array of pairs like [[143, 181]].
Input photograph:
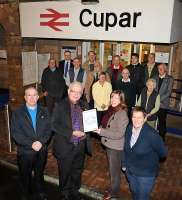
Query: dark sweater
[[53, 82], [129, 91], [143, 158]]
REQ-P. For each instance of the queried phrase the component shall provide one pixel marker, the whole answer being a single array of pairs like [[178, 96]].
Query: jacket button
[[105, 140], [108, 126]]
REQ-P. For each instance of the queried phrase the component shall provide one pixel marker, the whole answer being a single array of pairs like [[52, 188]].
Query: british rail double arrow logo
[[53, 22]]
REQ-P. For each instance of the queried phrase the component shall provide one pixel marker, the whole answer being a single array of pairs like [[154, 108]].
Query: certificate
[[90, 120]]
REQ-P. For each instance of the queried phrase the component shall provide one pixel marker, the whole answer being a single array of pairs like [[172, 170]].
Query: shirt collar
[[126, 81]]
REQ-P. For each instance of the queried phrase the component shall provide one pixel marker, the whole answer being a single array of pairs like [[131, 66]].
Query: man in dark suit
[[137, 73], [150, 67], [164, 83], [66, 64], [31, 130], [53, 85], [70, 141]]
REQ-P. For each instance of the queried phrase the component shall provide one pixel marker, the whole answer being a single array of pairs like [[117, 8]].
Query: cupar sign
[[109, 20], [88, 18]]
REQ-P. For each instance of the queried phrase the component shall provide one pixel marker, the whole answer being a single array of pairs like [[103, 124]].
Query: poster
[[29, 67]]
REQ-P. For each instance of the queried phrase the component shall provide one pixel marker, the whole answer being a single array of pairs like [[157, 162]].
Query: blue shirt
[[33, 113]]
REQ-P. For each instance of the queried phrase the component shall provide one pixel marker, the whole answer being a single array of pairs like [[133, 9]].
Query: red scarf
[[111, 110]]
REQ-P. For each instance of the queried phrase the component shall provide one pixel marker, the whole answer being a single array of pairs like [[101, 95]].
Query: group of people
[[120, 96]]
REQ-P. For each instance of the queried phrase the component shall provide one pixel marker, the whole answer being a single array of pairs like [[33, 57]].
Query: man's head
[[75, 92], [76, 63], [125, 74], [31, 96], [52, 63], [116, 60], [134, 58], [67, 55], [151, 58], [162, 68], [91, 56]]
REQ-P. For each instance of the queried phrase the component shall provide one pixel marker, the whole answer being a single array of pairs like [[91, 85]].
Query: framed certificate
[[90, 120]]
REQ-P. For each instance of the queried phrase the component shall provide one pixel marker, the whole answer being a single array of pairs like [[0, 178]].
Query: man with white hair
[[69, 141], [164, 84]]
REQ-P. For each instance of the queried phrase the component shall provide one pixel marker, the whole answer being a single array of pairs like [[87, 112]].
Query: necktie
[[66, 69], [96, 77]]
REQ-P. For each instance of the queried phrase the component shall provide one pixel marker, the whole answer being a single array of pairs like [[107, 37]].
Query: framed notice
[[29, 67], [161, 57]]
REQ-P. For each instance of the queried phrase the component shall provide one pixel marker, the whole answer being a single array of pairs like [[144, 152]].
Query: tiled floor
[[168, 185]]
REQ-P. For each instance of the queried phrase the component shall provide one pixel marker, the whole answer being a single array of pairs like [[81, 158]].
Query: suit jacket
[[113, 134], [143, 158], [165, 90], [154, 72], [61, 65], [23, 132], [62, 126]]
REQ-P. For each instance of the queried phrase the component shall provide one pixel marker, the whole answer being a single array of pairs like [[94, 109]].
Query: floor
[[96, 178]]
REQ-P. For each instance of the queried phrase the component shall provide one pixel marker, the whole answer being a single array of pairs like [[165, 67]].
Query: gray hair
[[75, 83], [153, 81]]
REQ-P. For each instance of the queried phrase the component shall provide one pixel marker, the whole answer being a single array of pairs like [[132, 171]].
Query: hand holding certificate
[[90, 120]]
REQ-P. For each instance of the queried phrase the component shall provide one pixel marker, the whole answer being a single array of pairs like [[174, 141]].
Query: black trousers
[[50, 102], [32, 161], [162, 115], [70, 169]]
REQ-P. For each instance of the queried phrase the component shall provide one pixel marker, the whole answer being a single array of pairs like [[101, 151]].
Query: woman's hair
[[138, 109], [151, 80], [122, 104]]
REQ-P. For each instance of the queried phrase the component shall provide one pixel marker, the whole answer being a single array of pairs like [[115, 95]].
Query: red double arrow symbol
[[54, 15]]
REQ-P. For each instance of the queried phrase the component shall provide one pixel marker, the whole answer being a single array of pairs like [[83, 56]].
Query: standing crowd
[[131, 104]]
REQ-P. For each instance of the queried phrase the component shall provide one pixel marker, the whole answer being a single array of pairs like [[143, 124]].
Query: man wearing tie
[[66, 64], [31, 130]]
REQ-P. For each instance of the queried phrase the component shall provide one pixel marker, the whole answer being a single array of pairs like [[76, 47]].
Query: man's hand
[[97, 131], [78, 133], [36, 146]]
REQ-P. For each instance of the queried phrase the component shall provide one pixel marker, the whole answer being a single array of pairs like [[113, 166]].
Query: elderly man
[[31, 130], [53, 85], [69, 141], [164, 84]]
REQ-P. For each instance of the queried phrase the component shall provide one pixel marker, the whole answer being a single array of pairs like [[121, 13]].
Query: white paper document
[[90, 120]]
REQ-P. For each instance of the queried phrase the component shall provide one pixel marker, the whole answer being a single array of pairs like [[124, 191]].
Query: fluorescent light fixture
[[89, 2]]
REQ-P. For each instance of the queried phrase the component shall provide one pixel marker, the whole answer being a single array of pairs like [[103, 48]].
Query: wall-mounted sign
[[161, 57], [146, 21]]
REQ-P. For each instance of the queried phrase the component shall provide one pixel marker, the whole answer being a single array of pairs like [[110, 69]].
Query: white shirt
[[134, 136]]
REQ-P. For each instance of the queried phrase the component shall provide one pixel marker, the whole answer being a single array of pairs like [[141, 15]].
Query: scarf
[[111, 110]]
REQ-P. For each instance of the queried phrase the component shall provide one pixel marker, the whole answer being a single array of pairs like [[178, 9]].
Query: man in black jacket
[[137, 73], [53, 85], [70, 141], [31, 130]]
